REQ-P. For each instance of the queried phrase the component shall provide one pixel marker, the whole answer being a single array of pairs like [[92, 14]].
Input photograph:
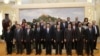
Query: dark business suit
[[68, 23], [38, 38], [90, 40], [69, 38], [48, 39], [28, 39], [9, 41], [80, 40], [74, 44], [96, 28], [18, 35], [53, 28], [63, 30], [76, 23], [42, 35], [58, 40]]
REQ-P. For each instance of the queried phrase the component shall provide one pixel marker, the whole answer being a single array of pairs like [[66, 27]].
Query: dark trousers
[[79, 48], [43, 44], [24, 45], [48, 47], [53, 44], [38, 47], [62, 45], [68, 46], [19, 46], [95, 43], [74, 44], [58, 48], [28, 47], [89, 49], [9, 47]]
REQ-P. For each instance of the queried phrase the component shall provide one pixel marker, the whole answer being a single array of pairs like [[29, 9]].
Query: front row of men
[[58, 36]]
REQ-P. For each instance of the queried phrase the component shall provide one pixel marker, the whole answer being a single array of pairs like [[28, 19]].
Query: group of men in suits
[[60, 35]]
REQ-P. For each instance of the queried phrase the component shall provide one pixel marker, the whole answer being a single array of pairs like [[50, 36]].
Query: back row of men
[[61, 35]]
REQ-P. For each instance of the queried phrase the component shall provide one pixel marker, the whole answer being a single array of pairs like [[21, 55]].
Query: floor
[[3, 52]]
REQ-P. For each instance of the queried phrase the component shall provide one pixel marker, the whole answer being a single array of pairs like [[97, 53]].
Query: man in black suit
[[74, 44], [28, 39], [18, 35], [58, 40], [48, 38], [9, 40], [76, 21], [38, 38], [68, 39], [96, 33], [68, 22], [79, 39], [90, 39]]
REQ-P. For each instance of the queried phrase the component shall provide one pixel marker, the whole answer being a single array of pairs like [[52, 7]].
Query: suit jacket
[[58, 36], [80, 34], [90, 35], [8, 36], [37, 34], [61, 25], [28, 36], [77, 23], [68, 23], [18, 35], [74, 33], [68, 35], [48, 35], [97, 31]]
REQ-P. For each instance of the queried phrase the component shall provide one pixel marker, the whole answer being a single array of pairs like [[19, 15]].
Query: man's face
[[48, 25], [90, 25]]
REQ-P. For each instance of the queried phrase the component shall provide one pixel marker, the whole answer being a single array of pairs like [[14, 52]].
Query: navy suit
[[90, 40]]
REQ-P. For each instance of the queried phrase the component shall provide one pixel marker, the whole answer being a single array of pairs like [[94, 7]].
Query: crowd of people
[[50, 35]]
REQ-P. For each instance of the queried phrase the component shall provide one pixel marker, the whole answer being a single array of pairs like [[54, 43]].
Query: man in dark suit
[[38, 38], [96, 28], [28, 39], [5, 23], [68, 22], [58, 39], [90, 33], [48, 38], [68, 39], [74, 44], [76, 21], [9, 40], [18, 35], [79, 39]]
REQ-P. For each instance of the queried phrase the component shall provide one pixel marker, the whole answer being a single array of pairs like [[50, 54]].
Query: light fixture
[[89, 1], [6, 1], [19, 2]]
